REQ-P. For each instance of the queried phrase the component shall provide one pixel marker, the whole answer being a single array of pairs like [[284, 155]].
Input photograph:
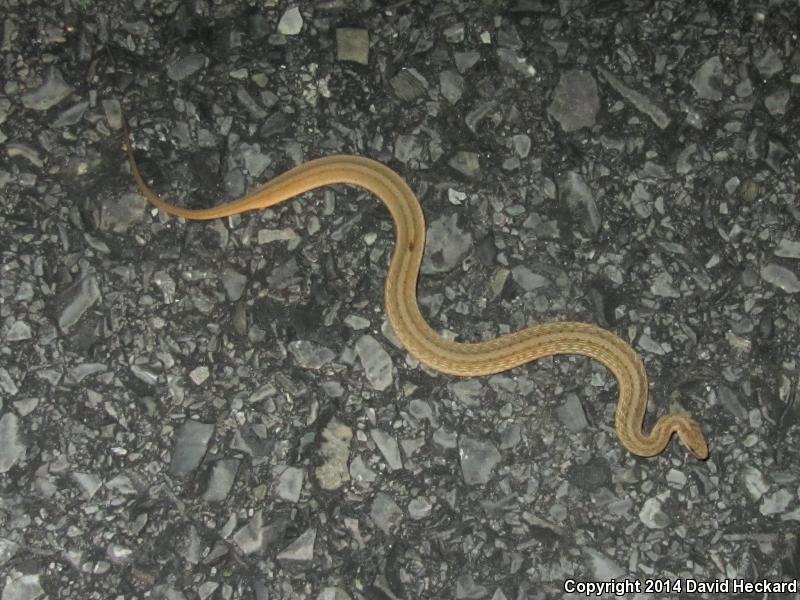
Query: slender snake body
[[426, 345]]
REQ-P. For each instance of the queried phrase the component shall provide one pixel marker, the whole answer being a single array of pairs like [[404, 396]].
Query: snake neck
[[649, 444], [655, 442]]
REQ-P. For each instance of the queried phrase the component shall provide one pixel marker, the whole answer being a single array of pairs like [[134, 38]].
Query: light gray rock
[[728, 397], [455, 33], [776, 503], [466, 163], [385, 513], [648, 344], [221, 479], [388, 448], [77, 299], [199, 375], [185, 66], [602, 567], [18, 149], [334, 452], [510, 435], [409, 85], [572, 414], [78, 373], [254, 160], [113, 111], [472, 120], [575, 101], [788, 249], [577, 195], [638, 100], [781, 277], [267, 236], [653, 516], [522, 144], [301, 551], [234, 283], [71, 116], [18, 332], [466, 60], [419, 508], [515, 62], [352, 45], [642, 201], [407, 148], [12, 447], [250, 538], [8, 550], [707, 80], [769, 63], [7, 383], [118, 213], [468, 589], [356, 322], [478, 459], [52, 91], [333, 593], [468, 392], [662, 286], [250, 104], [527, 279], [19, 586], [777, 101], [446, 245], [451, 85], [446, 439], [310, 355], [191, 445], [290, 484], [360, 471], [376, 362], [753, 481], [291, 22]]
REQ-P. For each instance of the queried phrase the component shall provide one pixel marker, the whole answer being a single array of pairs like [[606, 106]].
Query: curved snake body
[[423, 342]]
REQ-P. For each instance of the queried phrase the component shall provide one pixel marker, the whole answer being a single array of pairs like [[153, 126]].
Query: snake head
[[692, 437]]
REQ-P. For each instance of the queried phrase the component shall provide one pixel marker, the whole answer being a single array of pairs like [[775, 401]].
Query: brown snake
[[426, 345]]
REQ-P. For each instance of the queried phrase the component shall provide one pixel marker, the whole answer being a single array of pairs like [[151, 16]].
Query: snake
[[464, 359]]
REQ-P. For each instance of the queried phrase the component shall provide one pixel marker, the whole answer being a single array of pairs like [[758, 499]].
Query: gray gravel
[[220, 410]]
